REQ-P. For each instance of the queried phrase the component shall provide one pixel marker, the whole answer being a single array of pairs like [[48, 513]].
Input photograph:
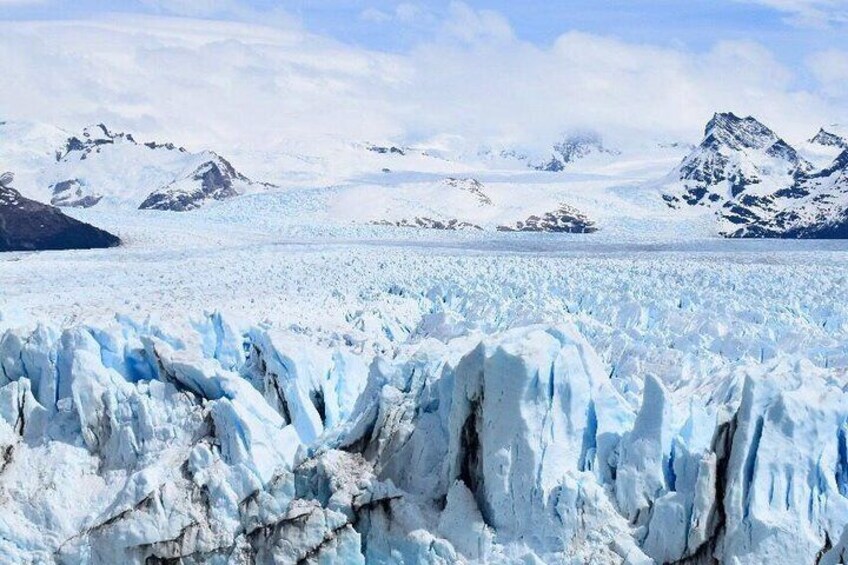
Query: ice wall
[[234, 444]]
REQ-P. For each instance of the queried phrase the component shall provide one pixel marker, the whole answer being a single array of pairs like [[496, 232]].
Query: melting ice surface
[[401, 402]]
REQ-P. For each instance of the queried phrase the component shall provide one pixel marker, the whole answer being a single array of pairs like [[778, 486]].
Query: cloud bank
[[246, 85]]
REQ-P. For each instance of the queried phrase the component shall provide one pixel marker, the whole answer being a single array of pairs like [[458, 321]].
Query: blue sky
[[695, 24]]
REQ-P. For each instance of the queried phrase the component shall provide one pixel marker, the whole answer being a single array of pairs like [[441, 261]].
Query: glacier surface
[[430, 402]]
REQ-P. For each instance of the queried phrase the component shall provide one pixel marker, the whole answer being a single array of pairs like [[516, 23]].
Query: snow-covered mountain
[[825, 146], [736, 155], [26, 225], [98, 166], [574, 148], [827, 137], [754, 182], [214, 179], [760, 186]]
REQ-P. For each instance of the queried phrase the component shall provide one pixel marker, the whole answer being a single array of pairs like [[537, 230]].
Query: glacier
[[236, 443], [280, 377]]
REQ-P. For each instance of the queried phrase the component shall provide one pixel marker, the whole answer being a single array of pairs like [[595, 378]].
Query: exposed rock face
[[72, 193], [451, 224], [215, 179], [759, 186], [472, 186], [27, 225], [828, 139], [564, 219]]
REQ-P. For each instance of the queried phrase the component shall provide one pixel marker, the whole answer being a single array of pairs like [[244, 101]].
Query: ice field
[[220, 392]]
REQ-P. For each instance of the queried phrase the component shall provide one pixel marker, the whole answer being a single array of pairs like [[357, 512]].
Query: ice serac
[[507, 431], [242, 444], [27, 225]]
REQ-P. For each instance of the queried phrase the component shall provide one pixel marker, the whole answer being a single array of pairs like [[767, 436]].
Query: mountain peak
[[738, 133], [827, 138]]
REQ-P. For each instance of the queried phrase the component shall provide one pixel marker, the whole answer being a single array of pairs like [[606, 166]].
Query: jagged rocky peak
[[727, 131], [213, 179], [738, 133], [735, 154], [27, 225], [759, 186], [827, 138]]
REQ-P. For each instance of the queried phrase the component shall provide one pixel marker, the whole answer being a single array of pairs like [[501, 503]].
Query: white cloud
[[817, 13], [469, 25], [375, 16], [406, 14], [192, 7], [831, 70], [242, 85]]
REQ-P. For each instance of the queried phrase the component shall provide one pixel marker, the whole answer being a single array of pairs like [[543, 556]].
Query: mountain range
[[99, 166], [741, 181]]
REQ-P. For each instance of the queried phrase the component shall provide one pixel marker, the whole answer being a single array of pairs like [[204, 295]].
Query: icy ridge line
[[241, 445]]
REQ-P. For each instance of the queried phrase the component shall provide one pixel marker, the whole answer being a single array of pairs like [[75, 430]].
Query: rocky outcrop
[[451, 224], [27, 225], [71, 193], [215, 179], [564, 219], [472, 186]]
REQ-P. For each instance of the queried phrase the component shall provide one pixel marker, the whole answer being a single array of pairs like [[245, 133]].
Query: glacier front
[[237, 443]]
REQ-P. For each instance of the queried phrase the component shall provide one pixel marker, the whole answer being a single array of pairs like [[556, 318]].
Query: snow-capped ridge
[[827, 139], [99, 166], [213, 179], [760, 186]]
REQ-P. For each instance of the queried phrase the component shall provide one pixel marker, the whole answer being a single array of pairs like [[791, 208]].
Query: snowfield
[[235, 386]]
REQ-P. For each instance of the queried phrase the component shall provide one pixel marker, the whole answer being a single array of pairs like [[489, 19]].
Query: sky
[[500, 72]]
